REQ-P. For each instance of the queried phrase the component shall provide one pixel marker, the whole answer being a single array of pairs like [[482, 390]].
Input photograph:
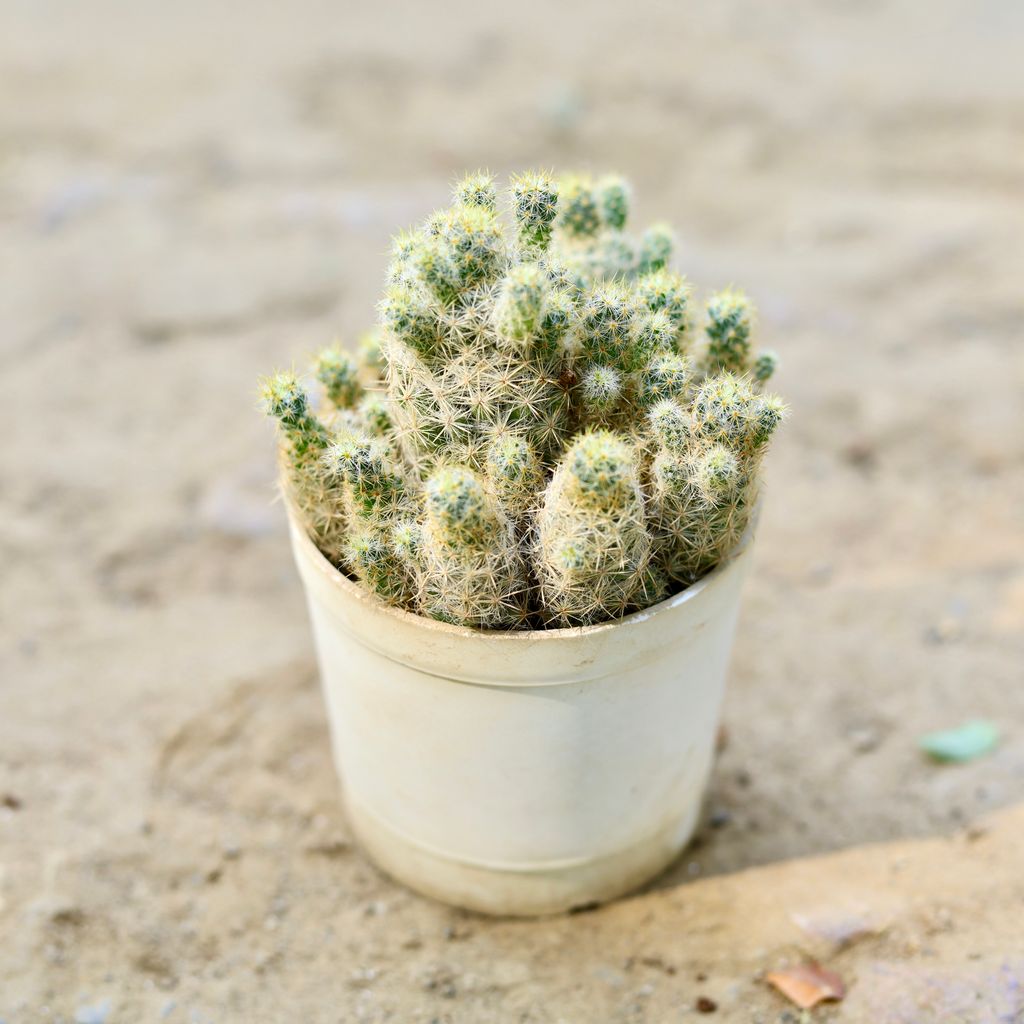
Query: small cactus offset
[[534, 436], [317, 496], [470, 569], [593, 543]]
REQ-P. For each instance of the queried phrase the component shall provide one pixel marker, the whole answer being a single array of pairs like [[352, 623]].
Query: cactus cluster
[[533, 437]]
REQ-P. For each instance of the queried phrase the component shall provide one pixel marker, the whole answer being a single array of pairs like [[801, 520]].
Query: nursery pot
[[522, 772]]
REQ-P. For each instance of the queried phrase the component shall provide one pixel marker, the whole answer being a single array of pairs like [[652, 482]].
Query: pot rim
[[352, 589]]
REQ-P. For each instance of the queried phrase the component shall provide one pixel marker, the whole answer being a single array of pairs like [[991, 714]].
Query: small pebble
[[705, 1005], [945, 631], [821, 572], [610, 976], [93, 1014], [864, 739], [860, 453], [363, 976]]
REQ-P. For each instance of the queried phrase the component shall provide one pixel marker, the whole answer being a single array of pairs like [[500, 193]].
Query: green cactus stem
[[705, 482], [535, 203], [613, 199], [656, 248], [376, 490], [472, 573], [339, 374], [579, 208], [478, 190], [593, 544], [514, 473], [728, 329], [316, 496], [380, 568]]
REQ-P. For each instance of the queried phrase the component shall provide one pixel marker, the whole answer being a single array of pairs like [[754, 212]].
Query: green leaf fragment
[[964, 743]]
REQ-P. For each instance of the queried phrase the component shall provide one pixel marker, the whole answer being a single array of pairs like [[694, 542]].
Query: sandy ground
[[191, 196]]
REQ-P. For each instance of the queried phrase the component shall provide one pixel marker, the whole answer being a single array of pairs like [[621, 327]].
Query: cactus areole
[[543, 430]]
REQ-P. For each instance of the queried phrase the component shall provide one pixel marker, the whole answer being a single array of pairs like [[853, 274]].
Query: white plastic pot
[[522, 773]]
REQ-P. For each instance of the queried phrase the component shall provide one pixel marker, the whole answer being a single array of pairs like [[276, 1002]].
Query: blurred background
[[191, 196]]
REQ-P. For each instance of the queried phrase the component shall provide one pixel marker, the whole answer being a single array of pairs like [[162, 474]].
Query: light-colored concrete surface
[[191, 195]]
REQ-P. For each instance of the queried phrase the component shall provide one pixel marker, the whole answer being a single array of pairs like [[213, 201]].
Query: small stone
[[864, 739], [55, 954], [361, 977], [610, 976], [439, 979], [946, 630], [860, 453], [705, 1005], [821, 573], [97, 1014]]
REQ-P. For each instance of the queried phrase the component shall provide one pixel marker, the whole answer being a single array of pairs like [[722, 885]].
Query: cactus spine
[[532, 436]]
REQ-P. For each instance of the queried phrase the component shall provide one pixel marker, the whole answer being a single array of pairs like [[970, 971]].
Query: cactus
[[339, 374], [476, 189], [730, 322], [375, 497], [317, 497], [532, 436], [371, 357], [471, 571], [514, 473], [593, 545], [375, 490], [705, 472], [376, 563]]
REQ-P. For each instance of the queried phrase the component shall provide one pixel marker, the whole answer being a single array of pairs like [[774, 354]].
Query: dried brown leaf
[[808, 984]]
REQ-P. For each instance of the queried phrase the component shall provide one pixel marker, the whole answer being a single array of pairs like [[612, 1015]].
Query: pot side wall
[[522, 772]]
